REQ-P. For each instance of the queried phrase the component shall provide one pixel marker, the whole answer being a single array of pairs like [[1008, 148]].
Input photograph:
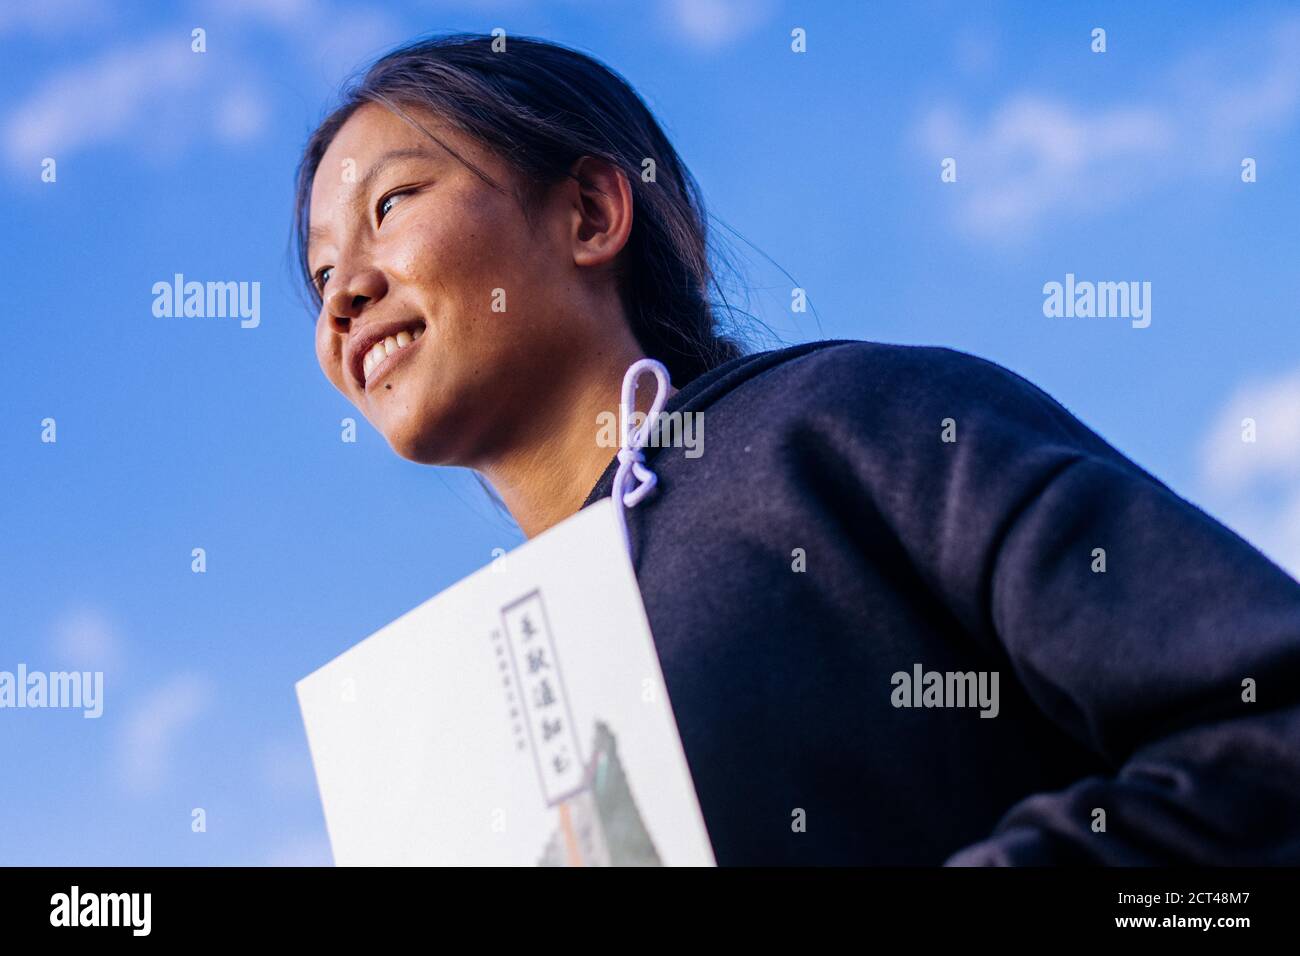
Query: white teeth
[[381, 350]]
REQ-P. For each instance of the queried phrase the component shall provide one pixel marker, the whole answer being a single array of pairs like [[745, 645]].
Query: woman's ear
[[602, 210]]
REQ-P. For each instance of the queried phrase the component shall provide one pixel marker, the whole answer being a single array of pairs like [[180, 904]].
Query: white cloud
[[157, 97], [90, 103], [283, 13], [50, 18], [1236, 92], [241, 115], [1037, 155], [347, 40], [83, 639], [155, 94], [1255, 486], [976, 51], [154, 728], [715, 23], [337, 39], [1230, 464], [303, 850], [287, 768]]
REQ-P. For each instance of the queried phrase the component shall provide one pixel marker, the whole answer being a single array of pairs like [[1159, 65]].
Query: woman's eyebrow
[[386, 160]]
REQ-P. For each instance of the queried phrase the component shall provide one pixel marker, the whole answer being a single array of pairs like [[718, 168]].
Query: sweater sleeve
[[1179, 664], [1146, 630]]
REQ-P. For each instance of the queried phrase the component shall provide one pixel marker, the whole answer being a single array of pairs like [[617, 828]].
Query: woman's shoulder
[[887, 387], [906, 368], [854, 368]]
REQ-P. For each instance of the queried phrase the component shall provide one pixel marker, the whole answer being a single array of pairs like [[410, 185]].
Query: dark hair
[[541, 106]]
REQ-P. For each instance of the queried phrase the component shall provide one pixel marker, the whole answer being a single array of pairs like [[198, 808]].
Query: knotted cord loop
[[631, 460]]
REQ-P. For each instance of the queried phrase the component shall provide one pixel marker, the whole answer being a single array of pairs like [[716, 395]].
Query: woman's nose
[[353, 296]]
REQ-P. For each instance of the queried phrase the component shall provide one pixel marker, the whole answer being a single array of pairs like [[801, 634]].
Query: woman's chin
[[419, 444]]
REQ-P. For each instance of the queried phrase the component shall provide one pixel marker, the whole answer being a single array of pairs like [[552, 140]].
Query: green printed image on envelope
[[518, 718]]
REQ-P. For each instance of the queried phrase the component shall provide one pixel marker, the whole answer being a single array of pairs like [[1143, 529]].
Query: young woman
[[908, 608]]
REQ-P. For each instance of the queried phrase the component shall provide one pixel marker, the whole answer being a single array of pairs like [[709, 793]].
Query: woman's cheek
[[419, 262], [329, 354]]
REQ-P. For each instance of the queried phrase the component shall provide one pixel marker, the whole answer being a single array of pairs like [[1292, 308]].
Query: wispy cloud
[[1254, 485], [287, 769], [976, 50], [154, 728], [155, 94], [282, 13], [302, 850], [83, 639], [240, 115], [1230, 464], [710, 24], [337, 38], [1035, 155], [156, 97], [52, 18]]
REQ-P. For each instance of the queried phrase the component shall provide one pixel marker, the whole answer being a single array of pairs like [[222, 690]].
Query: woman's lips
[[393, 359]]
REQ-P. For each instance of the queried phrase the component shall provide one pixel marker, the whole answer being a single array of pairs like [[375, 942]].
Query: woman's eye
[[323, 276], [386, 203]]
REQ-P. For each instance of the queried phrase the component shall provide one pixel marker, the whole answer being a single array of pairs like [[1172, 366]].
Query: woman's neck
[[546, 475]]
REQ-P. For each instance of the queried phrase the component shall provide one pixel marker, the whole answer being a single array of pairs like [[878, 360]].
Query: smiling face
[[411, 250]]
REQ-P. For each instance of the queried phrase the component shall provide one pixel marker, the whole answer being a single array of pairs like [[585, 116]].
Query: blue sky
[[177, 433]]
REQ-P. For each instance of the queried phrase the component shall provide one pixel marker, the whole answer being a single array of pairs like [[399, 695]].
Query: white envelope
[[517, 718]]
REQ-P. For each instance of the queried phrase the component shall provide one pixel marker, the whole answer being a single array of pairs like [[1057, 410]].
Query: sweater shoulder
[[856, 369], [844, 362], [886, 385]]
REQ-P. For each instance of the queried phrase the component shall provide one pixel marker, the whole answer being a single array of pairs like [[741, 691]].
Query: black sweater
[[1126, 691]]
